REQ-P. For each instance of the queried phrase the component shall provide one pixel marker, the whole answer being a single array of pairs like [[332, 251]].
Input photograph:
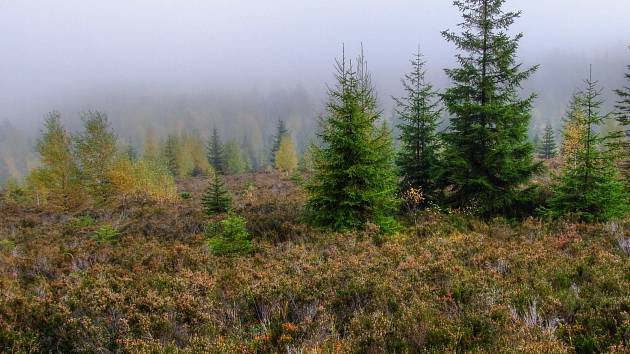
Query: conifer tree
[[195, 146], [281, 131], [488, 152], [354, 180], [170, 153], [216, 199], [216, 153], [623, 105], [58, 164], [419, 114], [590, 186], [286, 158], [547, 149], [95, 149]]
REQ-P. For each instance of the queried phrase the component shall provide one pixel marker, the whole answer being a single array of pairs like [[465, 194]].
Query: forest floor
[[137, 276]]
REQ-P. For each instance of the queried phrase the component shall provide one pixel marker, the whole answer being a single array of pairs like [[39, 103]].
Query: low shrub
[[106, 234], [228, 236]]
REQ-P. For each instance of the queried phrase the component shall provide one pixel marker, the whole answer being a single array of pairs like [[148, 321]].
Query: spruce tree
[[419, 113], [170, 153], [281, 131], [547, 149], [354, 179], [489, 155], [590, 186], [216, 153], [623, 105], [216, 199], [95, 149]]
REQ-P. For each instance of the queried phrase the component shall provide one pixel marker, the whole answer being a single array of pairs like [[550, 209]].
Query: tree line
[[483, 162]]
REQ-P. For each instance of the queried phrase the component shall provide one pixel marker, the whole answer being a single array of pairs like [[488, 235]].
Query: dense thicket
[[354, 181], [489, 157]]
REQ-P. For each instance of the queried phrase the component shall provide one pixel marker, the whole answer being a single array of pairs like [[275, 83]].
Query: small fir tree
[[623, 105], [419, 113], [216, 153], [281, 131], [216, 199], [589, 186], [488, 153], [286, 157], [170, 152], [95, 150], [354, 180], [547, 148]]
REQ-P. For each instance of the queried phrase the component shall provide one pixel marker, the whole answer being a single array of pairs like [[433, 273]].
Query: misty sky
[[55, 50]]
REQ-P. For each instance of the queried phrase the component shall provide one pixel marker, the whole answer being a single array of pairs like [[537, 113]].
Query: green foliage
[[216, 199], [488, 154], [58, 164], [170, 152], [589, 186], [83, 221], [216, 153], [547, 148], [418, 111], [236, 161], [229, 236], [7, 246], [354, 181], [185, 195], [623, 105], [95, 150], [106, 234]]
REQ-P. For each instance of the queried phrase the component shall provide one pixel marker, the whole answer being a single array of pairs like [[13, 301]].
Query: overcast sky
[[52, 50]]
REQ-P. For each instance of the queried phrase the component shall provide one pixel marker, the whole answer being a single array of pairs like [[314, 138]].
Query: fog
[[162, 57]]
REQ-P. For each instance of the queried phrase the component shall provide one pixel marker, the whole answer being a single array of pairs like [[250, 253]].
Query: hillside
[[137, 276]]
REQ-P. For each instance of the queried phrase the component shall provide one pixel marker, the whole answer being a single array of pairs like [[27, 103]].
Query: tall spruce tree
[[281, 131], [170, 153], [419, 113], [547, 149], [354, 179], [216, 153], [488, 151], [216, 199], [590, 186]]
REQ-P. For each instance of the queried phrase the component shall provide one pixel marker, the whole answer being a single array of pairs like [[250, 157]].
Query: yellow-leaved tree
[[286, 159]]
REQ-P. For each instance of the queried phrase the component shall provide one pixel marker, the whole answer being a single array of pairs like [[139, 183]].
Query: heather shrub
[[106, 234]]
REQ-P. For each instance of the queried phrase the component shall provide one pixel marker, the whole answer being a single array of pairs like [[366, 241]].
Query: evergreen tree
[[170, 153], [488, 152], [195, 146], [590, 187], [58, 164], [354, 180], [419, 113], [547, 148], [286, 157], [623, 105], [95, 149], [216, 199], [216, 153], [281, 131]]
